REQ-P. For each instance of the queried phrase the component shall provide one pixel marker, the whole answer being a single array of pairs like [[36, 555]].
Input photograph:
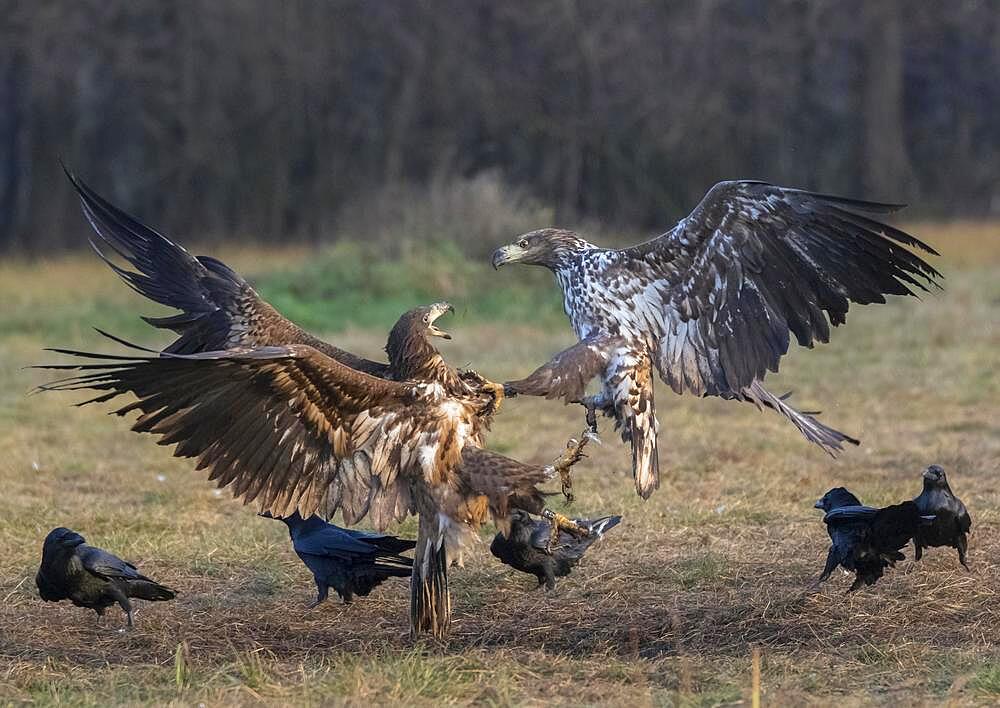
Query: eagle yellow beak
[[510, 253], [438, 309]]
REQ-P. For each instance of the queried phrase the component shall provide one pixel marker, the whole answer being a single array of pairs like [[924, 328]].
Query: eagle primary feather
[[711, 304]]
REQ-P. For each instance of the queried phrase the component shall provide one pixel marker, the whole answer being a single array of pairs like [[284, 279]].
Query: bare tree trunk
[[888, 173]]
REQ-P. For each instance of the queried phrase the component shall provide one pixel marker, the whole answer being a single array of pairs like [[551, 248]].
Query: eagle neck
[[414, 359]]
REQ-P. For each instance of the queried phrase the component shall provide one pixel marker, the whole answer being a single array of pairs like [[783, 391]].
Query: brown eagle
[[711, 303], [294, 424]]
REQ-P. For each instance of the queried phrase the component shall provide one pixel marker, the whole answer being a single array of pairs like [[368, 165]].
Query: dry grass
[[665, 611]]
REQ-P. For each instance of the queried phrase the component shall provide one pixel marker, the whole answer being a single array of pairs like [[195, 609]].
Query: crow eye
[[523, 243]]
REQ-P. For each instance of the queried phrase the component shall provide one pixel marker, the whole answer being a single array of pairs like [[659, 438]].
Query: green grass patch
[[350, 285]]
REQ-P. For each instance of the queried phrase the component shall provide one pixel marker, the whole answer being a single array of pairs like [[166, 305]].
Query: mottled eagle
[[292, 423], [711, 303]]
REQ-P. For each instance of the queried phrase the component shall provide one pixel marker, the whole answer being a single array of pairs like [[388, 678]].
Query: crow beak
[[505, 254], [818, 505]]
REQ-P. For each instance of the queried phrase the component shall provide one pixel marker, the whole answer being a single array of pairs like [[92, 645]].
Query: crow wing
[[722, 290], [845, 515], [219, 309], [288, 427], [107, 565], [331, 541]]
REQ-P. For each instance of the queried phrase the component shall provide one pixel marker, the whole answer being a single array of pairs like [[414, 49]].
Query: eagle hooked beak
[[437, 310], [506, 254]]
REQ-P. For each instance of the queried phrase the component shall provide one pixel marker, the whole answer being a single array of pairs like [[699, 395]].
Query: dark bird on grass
[[952, 522], [292, 423], [91, 577], [349, 561], [866, 540], [711, 303], [527, 546]]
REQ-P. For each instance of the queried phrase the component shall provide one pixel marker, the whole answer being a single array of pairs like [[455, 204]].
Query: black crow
[[866, 540], [351, 562], [524, 548], [91, 577], [952, 521]]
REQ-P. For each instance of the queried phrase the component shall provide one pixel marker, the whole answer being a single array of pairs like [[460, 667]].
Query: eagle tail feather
[[830, 439], [430, 602], [645, 459]]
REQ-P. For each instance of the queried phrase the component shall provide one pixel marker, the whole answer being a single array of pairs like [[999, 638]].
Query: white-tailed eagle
[[711, 304], [294, 424]]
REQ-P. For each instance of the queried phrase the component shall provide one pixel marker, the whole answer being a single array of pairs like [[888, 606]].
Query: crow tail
[[149, 590], [601, 526]]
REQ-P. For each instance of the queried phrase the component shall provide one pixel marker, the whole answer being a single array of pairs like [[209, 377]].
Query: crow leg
[[556, 522], [918, 551], [962, 546], [125, 604], [550, 580], [323, 591]]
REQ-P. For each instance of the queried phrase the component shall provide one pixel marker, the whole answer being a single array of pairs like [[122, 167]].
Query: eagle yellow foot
[[495, 391], [556, 522], [571, 455]]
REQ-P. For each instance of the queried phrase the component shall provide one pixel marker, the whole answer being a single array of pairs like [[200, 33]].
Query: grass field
[[665, 611]]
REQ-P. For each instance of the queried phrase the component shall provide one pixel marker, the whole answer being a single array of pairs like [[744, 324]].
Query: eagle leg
[[592, 404], [591, 407], [556, 522], [564, 465]]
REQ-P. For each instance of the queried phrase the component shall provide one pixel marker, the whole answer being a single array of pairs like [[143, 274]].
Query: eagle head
[[544, 247]]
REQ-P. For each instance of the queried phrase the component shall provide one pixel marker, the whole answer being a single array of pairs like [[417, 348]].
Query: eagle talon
[[496, 392], [559, 522], [564, 465]]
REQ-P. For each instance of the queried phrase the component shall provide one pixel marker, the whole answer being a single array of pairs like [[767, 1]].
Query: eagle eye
[[523, 243], [427, 319]]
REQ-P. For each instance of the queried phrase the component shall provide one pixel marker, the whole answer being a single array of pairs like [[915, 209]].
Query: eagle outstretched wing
[[287, 427], [219, 309], [754, 262]]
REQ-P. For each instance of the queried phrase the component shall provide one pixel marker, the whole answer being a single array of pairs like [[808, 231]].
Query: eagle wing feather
[[755, 262], [289, 428], [219, 309]]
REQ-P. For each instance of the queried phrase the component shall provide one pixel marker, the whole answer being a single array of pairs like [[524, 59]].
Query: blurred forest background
[[307, 120]]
